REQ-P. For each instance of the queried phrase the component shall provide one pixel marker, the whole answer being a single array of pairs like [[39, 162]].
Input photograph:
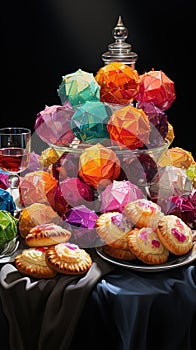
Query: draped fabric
[[130, 310], [42, 314], [109, 308]]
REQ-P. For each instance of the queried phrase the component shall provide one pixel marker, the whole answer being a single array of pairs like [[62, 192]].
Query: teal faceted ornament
[[89, 122], [78, 88]]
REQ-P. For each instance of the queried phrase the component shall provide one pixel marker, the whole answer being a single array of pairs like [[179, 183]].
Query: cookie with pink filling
[[147, 247], [143, 213], [175, 234]]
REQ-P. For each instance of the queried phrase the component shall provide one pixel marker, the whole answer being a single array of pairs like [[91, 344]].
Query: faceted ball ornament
[[4, 181], [183, 206], [72, 192], [36, 214], [177, 157], [118, 194], [139, 168], [158, 122], [52, 125], [89, 122], [98, 165], [170, 181], [78, 87], [129, 127], [66, 166], [118, 83], [37, 187], [157, 88], [81, 221], [7, 202]]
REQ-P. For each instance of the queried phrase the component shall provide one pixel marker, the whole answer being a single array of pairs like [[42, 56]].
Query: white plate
[[173, 261]]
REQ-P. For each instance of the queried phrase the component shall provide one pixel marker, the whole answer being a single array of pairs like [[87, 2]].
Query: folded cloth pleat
[[43, 314]]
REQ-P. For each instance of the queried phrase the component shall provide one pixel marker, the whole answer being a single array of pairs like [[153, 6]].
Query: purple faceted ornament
[[158, 122], [52, 125], [81, 222]]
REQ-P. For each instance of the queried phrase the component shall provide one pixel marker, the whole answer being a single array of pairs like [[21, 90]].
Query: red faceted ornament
[[129, 127], [118, 82], [157, 88]]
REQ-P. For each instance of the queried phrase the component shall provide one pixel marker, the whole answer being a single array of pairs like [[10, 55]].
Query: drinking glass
[[15, 148]]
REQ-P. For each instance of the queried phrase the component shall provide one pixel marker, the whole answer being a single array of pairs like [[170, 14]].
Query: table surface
[[122, 309]]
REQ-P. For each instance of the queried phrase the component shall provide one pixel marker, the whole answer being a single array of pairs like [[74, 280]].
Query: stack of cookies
[[143, 232]]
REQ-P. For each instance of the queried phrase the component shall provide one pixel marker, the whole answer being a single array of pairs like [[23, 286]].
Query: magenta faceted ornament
[[118, 194], [73, 192], [52, 125], [184, 207], [81, 222], [78, 87], [4, 180]]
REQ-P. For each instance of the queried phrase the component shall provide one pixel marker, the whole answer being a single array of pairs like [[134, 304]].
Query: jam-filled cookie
[[113, 227], [119, 253], [175, 234], [47, 235], [143, 213], [147, 247], [31, 262], [68, 258]]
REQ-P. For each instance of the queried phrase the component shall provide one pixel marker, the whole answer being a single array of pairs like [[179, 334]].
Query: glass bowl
[[138, 166]]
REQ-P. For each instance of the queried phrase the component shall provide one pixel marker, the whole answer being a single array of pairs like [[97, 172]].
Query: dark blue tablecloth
[[141, 311], [131, 310]]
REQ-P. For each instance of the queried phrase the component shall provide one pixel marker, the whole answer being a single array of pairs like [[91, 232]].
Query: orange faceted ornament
[[129, 127], [118, 82], [98, 165], [37, 187]]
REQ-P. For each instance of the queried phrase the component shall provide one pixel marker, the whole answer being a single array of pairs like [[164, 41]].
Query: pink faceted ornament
[[118, 194], [157, 88], [52, 125]]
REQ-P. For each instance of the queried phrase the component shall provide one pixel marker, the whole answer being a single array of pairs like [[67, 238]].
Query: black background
[[42, 40]]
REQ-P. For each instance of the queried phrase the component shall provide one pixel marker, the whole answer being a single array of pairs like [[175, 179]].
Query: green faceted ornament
[[78, 88], [89, 122]]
